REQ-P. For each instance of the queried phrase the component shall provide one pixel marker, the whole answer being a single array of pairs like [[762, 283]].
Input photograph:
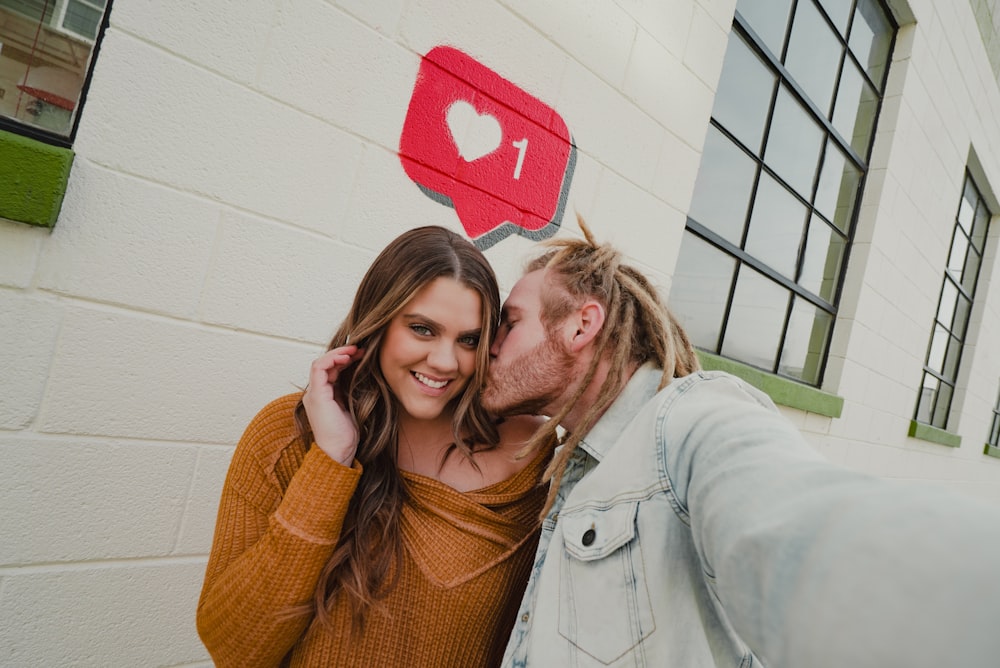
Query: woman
[[381, 517]]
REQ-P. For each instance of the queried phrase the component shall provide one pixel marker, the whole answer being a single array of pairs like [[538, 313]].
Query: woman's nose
[[442, 358]]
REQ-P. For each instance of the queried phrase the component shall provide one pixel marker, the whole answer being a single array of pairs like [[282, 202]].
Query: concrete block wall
[[236, 172]]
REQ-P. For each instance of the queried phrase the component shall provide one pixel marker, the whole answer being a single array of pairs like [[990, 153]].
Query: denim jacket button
[[588, 537]]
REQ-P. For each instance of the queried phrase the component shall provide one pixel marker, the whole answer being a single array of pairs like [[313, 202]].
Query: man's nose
[[498, 342]]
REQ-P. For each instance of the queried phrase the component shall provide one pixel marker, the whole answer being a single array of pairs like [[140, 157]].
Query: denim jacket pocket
[[604, 606]]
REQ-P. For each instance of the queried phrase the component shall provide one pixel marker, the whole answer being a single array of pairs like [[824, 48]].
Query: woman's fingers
[[333, 427], [327, 367]]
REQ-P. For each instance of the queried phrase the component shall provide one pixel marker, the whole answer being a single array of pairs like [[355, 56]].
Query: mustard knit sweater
[[467, 557]]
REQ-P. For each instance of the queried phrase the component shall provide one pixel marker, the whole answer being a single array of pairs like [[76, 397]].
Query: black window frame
[[951, 379], [744, 260]]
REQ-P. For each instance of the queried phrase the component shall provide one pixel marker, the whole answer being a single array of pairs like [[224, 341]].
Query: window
[[775, 202], [944, 353], [994, 439], [46, 51]]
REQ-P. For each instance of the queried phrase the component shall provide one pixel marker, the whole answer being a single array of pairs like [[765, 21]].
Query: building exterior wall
[[235, 172]]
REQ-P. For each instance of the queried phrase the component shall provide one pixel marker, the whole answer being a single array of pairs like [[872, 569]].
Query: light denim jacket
[[695, 527]]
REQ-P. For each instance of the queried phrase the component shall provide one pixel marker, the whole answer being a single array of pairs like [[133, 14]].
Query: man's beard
[[532, 384]]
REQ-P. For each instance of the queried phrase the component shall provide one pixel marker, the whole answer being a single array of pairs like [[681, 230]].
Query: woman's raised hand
[[332, 425]]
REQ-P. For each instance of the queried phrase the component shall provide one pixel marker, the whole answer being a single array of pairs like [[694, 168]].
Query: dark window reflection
[[744, 96], [756, 319], [725, 168], [814, 53], [769, 19], [822, 261], [838, 188], [805, 342], [793, 144], [776, 227], [700, 289]]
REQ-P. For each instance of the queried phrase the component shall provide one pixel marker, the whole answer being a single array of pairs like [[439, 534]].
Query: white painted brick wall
[[235, 173]]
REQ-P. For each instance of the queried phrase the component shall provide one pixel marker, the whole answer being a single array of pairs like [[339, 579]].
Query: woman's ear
[[588, 321]]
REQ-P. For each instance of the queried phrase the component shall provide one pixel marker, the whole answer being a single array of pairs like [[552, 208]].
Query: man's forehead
[[526, 292]]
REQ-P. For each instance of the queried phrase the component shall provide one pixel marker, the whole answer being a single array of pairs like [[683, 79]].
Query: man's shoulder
[[714, 385]]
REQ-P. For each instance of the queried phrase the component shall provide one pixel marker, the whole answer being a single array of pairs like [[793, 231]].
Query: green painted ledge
[[925, 432], [33, 178], [781, 390], [991, 451]]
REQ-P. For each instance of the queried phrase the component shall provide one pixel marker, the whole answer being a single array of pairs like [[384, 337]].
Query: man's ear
[[588, 321]]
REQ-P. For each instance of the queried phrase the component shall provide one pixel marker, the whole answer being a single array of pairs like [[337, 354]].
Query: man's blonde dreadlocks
[[638, 328]]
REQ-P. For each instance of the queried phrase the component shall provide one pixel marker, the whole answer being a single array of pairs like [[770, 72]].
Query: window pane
[[744, 94], [700, 289], [994, 439], [855, 110], [805, 342], [793, 144], [928, 393], [82, 20], [951, 359], [722, 191], [942, 406], [971, 270], [43, 67], [769, 19], [956, 257], [776, 227], [823, 257], [946, 307], [838, 188], [814, 53], [980, 225], [871, 35], [756, 319], [838, 11], [939, 344], [961, 322], [967, 207]]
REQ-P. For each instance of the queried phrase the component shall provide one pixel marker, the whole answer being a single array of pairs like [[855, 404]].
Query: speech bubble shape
[[476, 142]]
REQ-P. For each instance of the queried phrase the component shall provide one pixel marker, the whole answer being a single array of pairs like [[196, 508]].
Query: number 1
[[522, 147]]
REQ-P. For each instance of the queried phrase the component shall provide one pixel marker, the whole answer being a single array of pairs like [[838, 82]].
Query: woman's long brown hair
[[364, 565]]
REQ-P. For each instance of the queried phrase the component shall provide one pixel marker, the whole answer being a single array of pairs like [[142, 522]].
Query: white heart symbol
[[474, 134]]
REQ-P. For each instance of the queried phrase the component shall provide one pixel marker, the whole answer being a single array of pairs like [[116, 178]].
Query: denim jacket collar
[[641, 387]]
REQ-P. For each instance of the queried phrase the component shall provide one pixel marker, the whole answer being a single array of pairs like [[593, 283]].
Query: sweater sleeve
[[269, 549]]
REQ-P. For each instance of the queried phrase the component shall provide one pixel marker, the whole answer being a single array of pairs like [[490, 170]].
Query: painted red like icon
[[475, 141]]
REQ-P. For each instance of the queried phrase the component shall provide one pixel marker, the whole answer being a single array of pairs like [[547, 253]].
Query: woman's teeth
[[436, 384]]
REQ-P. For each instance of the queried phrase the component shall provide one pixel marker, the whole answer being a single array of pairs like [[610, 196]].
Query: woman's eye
[[471, 341], [421, 330]]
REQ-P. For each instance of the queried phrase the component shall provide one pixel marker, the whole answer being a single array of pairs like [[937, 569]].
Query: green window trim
[[781, 390], [991, 451], [925, 432], [33, 178]]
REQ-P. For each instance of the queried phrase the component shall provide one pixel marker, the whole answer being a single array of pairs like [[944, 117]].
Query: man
[[690, 525]]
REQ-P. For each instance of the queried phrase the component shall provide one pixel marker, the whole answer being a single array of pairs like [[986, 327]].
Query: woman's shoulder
[[276, 415], [273, 426]]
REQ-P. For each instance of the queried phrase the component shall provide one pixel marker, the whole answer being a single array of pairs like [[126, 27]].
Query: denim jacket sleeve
[[815, 565]]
